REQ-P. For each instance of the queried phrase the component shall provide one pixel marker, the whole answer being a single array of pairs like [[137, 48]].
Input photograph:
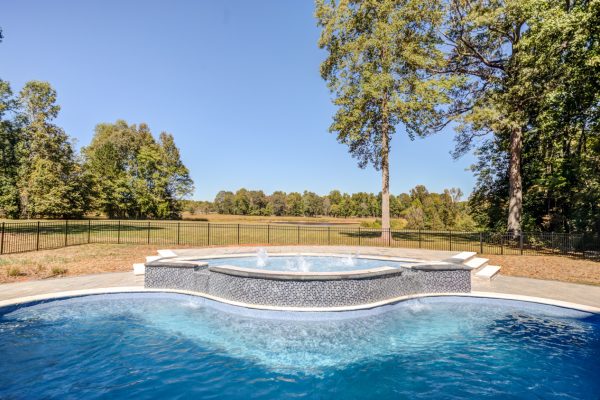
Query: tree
[[312, 204], [241, 202], [378, 55], [133, 175], [110, 158], [277, 202], [175, 182], [560, 55], [11, 141], [224, 202], [294, 205], [484, 37], [258, 202], [51, 181], [539, 100], [335, 197]]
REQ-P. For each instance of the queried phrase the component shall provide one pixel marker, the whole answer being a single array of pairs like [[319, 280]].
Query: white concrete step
[[152, 258], [139, 269], [476, 262], [463, 257], [167, 253], [488, 272]]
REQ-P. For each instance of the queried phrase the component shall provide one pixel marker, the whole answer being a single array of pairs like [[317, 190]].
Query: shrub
[[58, 270], [396, 223], [14, 271]]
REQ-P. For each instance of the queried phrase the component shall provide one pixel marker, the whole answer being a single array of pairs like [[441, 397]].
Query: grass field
[[221, 230], [253, 219], [38, 235]]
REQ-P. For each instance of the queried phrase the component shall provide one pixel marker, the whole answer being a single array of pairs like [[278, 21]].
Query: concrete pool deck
[[587, 295]]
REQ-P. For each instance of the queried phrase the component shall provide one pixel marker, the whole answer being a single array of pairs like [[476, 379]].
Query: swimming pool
[[169, 345], [305, 263]]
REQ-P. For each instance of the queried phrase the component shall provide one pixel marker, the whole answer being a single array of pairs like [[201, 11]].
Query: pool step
[[139, 269], [476, 262], [167, 253], [463, 257], [488, 272]]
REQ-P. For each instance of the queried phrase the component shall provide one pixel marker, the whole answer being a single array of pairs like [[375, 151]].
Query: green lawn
[[38, 235]]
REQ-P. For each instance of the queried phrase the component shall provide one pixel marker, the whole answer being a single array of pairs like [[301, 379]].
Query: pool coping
[[136, 289]]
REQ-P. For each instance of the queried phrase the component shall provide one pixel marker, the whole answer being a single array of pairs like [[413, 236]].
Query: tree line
[[124, 173], [418, 209], [519, 80]]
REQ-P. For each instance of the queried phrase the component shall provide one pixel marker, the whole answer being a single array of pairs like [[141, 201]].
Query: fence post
[[268, 234], [178, 226], [148, 232], [66, 232], [208, 233], [390, 237], [420, 244], [480, 242], [359, 236], [552, 241], [450, 240], [2, 239], [238, 233], [521, 242], [298, 233], [37, 237], [119, 232], [89, 230], [328, 235], [502, 244]]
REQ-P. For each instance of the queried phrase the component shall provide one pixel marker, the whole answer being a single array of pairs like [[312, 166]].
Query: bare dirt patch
[[556, 268], [74, 260]]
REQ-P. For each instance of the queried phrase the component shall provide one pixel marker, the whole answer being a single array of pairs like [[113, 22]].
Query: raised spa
[[306, 281]]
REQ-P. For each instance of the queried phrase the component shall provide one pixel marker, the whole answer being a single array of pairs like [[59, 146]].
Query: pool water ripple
[[176, 346], [300, 263]]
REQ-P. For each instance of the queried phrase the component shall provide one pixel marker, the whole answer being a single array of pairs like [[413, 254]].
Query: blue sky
[[236, 82]]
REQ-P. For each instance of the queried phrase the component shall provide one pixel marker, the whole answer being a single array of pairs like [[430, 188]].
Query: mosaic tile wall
[[306, 293]]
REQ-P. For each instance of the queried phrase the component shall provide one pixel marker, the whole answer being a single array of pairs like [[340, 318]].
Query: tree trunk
[[515, 203], [385, 186]]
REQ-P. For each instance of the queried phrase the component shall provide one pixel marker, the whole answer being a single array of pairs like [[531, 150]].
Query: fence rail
[[16, 237]]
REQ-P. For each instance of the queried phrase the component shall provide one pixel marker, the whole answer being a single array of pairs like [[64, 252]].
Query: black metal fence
[[16, 237]]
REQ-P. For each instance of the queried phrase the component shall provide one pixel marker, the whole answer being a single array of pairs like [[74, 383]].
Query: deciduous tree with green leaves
[[483, 37], [533, 84], [51, 181], [134, 176], [10, 143], [379, 53]]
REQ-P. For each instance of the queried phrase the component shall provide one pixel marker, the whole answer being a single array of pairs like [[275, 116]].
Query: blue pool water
[[140, 346], [305, 263]]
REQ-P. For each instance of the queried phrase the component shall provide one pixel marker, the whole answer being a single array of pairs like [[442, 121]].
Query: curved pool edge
[[26, 300]]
